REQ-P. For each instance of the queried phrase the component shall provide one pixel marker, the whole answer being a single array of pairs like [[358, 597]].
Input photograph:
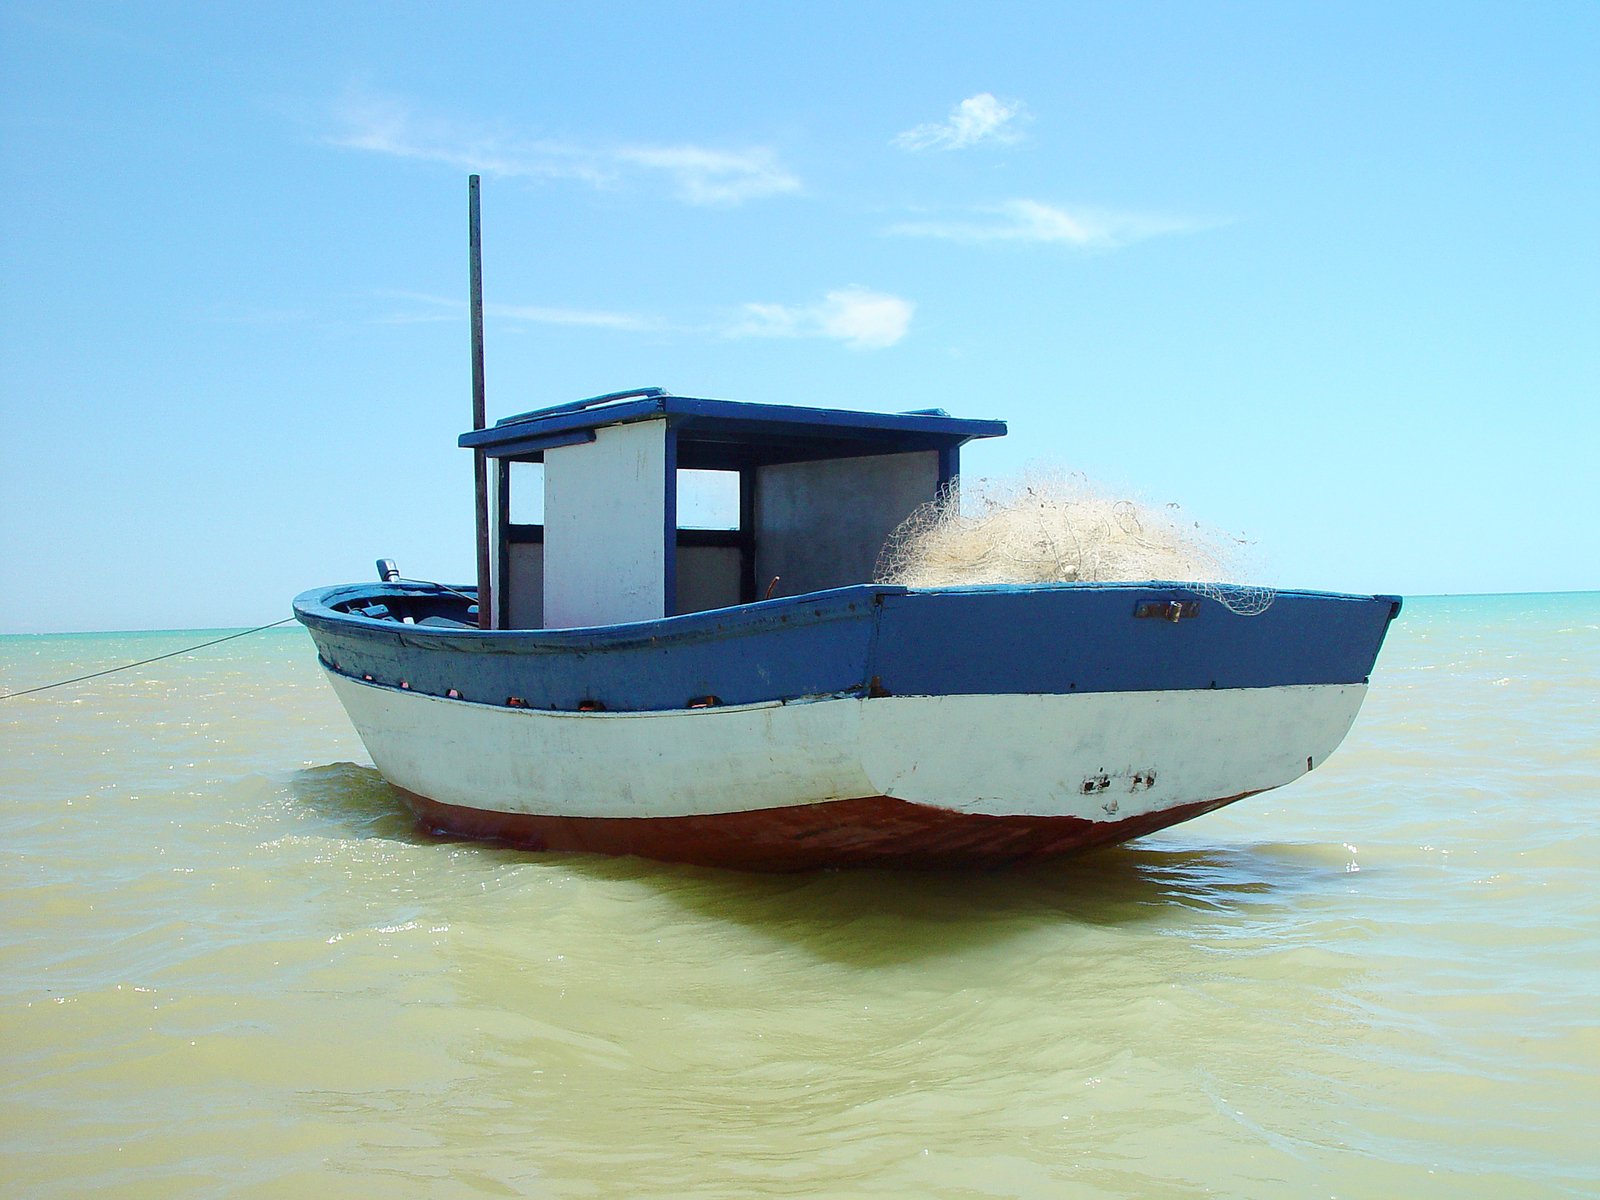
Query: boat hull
[[867, 724], [845, 780]]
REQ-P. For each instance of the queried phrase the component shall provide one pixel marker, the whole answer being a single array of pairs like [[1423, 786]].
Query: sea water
[[231, 965]]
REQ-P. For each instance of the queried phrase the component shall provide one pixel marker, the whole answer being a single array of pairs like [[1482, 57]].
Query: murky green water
[[230, 966]]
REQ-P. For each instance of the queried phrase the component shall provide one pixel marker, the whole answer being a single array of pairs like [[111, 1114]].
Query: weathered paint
[[605, 507], [821, 524], [1056, 639], [728, 435], [601, 764], [1096, 758], [871, 831], [839, 483], [1010, 721]]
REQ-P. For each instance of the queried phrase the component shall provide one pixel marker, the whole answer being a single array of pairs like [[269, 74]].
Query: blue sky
[[1328, 276]]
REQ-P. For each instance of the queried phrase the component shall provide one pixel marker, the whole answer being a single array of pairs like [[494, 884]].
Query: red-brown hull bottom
[[875, 831]]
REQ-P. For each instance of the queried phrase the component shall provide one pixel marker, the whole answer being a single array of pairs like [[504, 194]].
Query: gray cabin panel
[[822, 524]]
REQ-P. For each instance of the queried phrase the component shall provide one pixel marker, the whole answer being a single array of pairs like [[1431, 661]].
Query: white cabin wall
[[605, 511], [496, 580], [822, 524]]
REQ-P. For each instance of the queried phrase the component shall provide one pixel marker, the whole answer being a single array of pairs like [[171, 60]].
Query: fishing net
[[1055, 526]]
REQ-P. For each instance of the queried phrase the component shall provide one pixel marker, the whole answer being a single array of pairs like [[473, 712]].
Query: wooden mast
[[480, 466]]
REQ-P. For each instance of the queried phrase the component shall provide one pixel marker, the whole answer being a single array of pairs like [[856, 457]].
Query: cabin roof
[[730, 434]]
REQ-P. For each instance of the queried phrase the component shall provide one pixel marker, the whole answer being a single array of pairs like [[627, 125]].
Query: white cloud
[[700, 175], [1031, 221], [980, 118], [862, 319]]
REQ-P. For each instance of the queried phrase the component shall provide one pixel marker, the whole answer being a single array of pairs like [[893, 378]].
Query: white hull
[[1100, 757]]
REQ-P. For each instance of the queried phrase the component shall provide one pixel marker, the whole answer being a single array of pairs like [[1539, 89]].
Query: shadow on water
[[879, 917]]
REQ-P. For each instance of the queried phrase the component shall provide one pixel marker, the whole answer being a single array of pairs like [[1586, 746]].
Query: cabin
[[818, 491]]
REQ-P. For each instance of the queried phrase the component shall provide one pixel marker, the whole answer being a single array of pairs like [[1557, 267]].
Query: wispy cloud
[[697, 174], [980, 118], [861, 319], [703, 176], [589, 318], [383, 125], [1032, 221], [421, 307]]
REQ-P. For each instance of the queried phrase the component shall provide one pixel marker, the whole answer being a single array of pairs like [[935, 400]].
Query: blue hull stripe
[[863, 640], [1087, 640]]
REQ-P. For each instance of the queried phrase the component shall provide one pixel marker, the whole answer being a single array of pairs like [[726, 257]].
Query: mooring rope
[[45, 687]]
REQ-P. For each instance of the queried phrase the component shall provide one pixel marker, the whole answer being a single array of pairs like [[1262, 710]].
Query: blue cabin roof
[[728, 434]]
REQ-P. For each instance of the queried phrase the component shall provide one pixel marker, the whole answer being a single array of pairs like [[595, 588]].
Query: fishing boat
[[748, 697]]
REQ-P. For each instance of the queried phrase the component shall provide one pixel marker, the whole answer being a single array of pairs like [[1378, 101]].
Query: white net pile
[[1054, 526]]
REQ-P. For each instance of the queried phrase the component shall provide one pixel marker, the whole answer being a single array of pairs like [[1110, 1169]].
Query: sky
[[1325, 276]]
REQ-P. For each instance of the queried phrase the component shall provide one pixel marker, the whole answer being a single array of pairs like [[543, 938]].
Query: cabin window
[[713, 556], [708, 499], [520, 589], [527, 493]]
